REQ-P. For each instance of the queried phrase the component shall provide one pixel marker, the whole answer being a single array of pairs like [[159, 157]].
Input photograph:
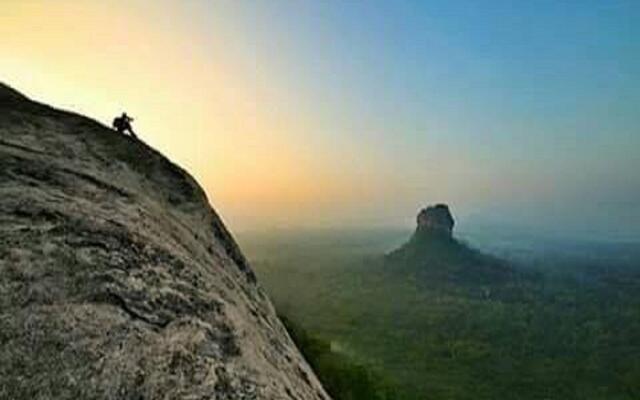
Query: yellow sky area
[[236, 126], [190, 100]]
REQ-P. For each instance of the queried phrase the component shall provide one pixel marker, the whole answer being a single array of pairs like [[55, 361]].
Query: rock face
[[436, 219], [434, 256], [118, 280]]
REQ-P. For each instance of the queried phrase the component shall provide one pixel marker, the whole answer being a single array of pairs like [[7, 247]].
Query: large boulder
[[117, 278], [436, 219]]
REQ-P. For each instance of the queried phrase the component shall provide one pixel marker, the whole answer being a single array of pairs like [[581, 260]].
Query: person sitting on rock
[[122, 124]]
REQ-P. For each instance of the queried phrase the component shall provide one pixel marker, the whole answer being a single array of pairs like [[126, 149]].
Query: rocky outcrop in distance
[[117, 278], [436, 219], [433, 253]]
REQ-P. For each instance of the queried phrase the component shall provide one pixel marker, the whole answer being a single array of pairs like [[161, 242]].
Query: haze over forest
[[404, 199], [343, 114]]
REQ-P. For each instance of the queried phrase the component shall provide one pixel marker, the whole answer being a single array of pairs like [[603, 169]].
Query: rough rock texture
[[436, 219], [117, 279]]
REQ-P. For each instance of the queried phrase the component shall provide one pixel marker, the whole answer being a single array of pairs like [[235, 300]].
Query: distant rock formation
[[436, 219], [439, 258], [119, 281]]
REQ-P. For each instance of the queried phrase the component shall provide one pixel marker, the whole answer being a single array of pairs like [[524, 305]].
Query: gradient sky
[[357, 113]]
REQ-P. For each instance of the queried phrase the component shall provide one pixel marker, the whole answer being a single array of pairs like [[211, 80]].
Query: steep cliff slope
[[117, 279]]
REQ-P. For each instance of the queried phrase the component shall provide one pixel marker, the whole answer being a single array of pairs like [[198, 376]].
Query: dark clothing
[[122, 124]]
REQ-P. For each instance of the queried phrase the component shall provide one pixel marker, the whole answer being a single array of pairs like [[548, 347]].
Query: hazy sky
[[324, 113]]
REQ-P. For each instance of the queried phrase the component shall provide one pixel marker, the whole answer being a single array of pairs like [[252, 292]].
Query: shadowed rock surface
[[438, 257], [118, 280], [436, 219]]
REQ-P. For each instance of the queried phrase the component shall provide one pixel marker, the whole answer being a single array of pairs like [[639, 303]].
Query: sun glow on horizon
[[190, 100], [333, 113]]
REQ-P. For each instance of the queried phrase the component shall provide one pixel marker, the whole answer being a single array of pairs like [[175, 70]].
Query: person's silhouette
[[122, 124]]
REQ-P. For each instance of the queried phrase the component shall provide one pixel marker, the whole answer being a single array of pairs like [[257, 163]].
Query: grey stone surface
[[118, 280]]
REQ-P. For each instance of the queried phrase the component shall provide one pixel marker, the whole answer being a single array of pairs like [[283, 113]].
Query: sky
[[358, 113]]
